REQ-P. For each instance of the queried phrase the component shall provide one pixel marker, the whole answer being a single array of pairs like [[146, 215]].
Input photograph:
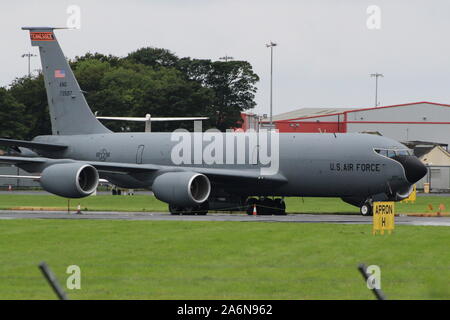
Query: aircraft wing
[[32, 145], [212, 173], [116, 167], [23, 160]]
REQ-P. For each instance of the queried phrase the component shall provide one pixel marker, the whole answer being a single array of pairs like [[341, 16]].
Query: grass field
[[150, 203], [221, 260]]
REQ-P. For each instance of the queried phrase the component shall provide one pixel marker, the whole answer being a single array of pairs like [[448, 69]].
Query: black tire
[[174, 210], [266, 207], [366, 209], [202, 210], [189, 211], [280, 207]]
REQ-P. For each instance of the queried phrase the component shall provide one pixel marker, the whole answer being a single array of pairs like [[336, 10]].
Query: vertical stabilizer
[[69, 112]]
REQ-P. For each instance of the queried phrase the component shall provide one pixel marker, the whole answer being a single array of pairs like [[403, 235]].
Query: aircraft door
[[139, 154]]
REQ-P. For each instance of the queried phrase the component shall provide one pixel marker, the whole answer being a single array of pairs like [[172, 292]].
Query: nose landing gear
[[366, 208]]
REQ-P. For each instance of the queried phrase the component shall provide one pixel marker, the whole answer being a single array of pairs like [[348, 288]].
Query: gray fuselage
[[332, 165]]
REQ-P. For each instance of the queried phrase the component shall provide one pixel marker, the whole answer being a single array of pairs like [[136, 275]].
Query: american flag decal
[[59, 73]]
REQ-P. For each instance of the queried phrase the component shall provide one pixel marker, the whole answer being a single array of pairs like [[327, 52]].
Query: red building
[[423, 121]]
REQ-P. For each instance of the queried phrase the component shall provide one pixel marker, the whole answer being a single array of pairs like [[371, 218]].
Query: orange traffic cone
[[254, 210]]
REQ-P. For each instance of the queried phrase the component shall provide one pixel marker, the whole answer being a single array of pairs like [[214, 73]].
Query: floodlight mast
[[29, 55], [376, 75], [226, 58], [271, 45]]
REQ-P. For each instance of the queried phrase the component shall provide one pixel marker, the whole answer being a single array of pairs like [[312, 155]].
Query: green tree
[[153, 57], [148, 80], [232, 82], [11, 115], [30, 92], [234, 86]]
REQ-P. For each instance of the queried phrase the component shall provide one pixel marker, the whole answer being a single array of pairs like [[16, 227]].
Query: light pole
[[226, 58], [29, 56], [271, 45], [376, 75]]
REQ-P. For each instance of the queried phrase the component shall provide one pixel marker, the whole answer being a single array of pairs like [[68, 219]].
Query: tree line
[[149, 80]]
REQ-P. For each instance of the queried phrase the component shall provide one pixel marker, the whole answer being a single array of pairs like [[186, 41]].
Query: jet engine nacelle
[[70, 180], [184, 189]]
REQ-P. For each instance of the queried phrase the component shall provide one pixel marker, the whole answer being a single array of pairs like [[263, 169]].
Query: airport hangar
[[417, 121]]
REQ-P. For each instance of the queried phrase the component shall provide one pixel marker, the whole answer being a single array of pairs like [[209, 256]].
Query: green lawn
[[150, 203], [221, 260]]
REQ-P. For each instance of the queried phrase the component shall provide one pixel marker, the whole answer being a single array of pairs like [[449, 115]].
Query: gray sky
[[324, 56]]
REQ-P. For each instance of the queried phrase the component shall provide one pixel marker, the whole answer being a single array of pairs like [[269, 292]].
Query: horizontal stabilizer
[[142, 119]]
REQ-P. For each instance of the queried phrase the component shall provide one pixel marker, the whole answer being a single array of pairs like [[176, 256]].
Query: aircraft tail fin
[[69, 112]]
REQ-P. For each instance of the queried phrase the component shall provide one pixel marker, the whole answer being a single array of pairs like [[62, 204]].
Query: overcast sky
[[324, 56]]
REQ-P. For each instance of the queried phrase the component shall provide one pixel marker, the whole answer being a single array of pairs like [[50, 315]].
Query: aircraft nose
[[414, 168]]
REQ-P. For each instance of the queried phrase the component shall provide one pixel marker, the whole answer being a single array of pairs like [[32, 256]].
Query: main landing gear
[[200, 210], [266, 206], [263, 206]]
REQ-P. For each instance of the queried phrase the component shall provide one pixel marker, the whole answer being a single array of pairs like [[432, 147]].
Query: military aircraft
[[201, 171]]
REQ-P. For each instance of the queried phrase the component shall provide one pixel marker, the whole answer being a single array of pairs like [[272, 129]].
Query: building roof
[[415, 143], [421, 151], [436, 156], [320, 112], [308, 112]]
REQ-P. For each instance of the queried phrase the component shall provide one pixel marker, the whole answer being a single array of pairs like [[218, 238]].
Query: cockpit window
[[390, 153], [383, 153], [402, 153]]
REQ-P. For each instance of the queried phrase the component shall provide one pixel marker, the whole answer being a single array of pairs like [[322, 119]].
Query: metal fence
[[438, 177]]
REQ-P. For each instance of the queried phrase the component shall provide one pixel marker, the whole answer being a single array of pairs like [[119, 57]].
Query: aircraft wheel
[[266, 207], [366, 209], [174, 210], [280, 207], [202, 210], [188, 211]]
